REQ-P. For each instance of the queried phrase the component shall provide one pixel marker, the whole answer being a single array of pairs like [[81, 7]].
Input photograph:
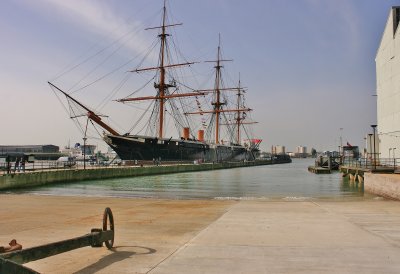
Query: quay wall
[[385, 185], [29, 179]]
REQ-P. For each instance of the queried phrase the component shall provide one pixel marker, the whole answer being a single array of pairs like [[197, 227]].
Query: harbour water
[[286, 181]]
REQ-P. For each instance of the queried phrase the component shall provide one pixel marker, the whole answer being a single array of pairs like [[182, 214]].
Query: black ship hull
[[134, 147]]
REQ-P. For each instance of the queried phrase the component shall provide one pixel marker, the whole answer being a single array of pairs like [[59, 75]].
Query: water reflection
[[348, 185], [262, 182]]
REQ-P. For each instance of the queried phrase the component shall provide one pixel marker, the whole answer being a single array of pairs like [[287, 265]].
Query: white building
[[301, 152], [388, 85], [78, 150], [278, 150]]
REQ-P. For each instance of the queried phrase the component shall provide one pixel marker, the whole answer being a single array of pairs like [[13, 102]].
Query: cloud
[[344, 11], [98, 17]]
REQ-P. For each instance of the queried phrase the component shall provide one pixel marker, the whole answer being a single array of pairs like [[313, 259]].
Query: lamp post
[[340, 157], [394, 160], [341, 142], [374, 130], [84, 144], [370, 145], [389, 153], [365, 154], [84, 152], [365, 146]]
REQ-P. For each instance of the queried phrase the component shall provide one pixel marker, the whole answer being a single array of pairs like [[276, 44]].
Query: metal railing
[[372, 164], [13, 167], [52, 165]]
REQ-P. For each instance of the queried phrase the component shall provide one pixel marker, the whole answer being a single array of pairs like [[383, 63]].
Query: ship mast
[[217, 104], [240, 115], [238, 118], [162, 86]]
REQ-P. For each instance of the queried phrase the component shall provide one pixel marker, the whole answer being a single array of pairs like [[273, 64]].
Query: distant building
[[351, 152], [388, 86], [301, 152], [264, 155], [29, 149], [275, 150], [301, 149], [291, 154], [79, 150], [41, 152], [89, 149]]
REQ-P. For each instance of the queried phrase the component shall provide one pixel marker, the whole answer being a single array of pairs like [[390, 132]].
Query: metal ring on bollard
[[108, 215]]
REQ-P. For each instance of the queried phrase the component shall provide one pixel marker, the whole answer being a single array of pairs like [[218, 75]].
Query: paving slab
[[295, 237]]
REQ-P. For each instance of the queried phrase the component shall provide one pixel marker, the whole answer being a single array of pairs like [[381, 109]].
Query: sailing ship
[[208, 145]]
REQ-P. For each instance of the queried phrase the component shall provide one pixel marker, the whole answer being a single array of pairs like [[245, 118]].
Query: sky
[[308, 65]]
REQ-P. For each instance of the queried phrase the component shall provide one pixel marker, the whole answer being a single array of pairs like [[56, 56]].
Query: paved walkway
[[295, 237], [161, 236]]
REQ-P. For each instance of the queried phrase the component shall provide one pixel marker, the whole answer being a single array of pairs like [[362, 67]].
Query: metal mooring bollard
[[12, 262]]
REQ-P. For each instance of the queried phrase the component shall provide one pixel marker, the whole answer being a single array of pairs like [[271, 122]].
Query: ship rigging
[[155, 145]]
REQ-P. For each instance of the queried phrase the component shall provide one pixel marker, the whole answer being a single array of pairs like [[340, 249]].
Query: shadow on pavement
[[115, 256]]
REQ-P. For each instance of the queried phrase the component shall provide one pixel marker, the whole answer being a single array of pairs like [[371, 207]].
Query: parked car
[[66, 161]]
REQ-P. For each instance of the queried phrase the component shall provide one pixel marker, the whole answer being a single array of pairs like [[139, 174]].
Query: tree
[[313, 152]]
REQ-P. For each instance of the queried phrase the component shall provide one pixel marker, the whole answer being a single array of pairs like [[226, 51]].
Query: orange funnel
[[185, 133], [200, 135]]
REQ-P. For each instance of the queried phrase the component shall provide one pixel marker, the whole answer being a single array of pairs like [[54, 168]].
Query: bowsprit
[[12, 262]]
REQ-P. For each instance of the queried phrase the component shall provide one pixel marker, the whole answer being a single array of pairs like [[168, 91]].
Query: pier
[[319, 170], [358, 167], [324, 164], [378, 176]]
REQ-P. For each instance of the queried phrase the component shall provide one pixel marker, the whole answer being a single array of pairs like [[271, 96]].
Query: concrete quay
[[376, 182], [30, 179], [385, 185], [358, 235]]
